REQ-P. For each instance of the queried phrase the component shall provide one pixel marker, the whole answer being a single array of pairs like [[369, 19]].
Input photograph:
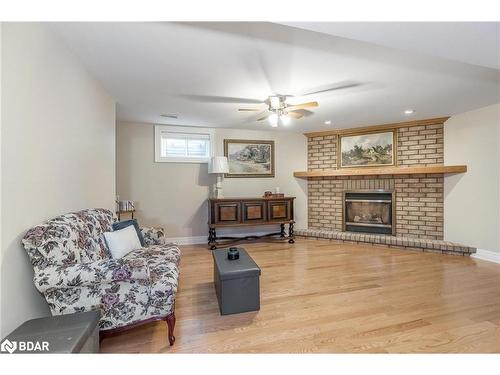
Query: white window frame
[[183, 130]]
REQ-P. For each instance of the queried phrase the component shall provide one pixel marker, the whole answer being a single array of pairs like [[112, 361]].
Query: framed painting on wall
[[249, 158], [373, 149]]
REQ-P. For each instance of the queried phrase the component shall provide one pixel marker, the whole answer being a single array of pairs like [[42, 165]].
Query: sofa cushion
[[89, 274], [122, 241], [168, 252], [125, 223]]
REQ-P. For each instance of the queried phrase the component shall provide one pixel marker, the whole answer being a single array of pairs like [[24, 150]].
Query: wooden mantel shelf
[[368, 171]]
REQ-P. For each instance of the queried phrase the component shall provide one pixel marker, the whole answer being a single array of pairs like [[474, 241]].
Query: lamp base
[[218, 188], [218, 193]]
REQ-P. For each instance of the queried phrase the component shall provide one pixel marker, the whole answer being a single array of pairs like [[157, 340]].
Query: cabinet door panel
[[227, 213], [279, 210], [254, 212]]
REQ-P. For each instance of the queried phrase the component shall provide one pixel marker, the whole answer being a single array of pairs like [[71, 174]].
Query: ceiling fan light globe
[[285, 119], [273, 120]]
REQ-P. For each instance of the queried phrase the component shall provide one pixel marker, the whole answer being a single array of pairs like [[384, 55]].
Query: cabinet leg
[[212, 236], [282, 231], [291, 238]]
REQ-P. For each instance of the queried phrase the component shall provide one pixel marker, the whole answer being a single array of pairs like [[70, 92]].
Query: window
[[182, 145]]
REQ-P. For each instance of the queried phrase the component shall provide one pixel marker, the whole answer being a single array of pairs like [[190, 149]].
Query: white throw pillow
[[122, 241]]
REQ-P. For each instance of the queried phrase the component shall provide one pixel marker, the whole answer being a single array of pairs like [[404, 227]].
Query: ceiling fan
[[279, 111]]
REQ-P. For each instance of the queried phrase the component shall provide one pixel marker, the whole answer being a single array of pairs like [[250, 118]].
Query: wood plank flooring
[[322, 297]]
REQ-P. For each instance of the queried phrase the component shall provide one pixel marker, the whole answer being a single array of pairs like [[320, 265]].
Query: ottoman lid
[[64, 333], [243, 267]]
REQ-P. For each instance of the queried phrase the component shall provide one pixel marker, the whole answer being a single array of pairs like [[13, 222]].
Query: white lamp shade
[[218, 164]]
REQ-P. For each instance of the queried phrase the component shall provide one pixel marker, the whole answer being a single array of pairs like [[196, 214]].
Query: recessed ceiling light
[[169, 115], [409, 112], [328, 122]]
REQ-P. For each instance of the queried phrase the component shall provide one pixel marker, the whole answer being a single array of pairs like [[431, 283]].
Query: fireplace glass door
[[369, 212]]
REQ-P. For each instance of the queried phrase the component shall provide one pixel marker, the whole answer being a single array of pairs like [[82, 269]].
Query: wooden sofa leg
[[171, 324]]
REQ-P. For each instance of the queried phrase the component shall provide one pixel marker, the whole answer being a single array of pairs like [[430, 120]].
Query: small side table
[[69, 333], [119, 213]]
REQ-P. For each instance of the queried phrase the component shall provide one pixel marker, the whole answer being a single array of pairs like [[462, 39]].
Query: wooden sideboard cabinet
[[242, 212]]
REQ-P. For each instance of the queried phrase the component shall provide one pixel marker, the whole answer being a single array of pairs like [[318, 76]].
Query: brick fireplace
[[414, 187], [418, 198]]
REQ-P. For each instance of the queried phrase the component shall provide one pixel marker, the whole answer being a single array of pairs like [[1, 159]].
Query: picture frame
[[249, 158], [376, 148]]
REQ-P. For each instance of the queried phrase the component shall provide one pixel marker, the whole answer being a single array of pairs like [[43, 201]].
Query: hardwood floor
[[318, 296]]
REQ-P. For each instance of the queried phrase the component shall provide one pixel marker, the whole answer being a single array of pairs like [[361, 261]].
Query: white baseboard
[[196, 240], [490, 256]]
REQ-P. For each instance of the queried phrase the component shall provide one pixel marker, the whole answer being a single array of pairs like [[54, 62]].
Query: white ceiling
[[155, 68], [469, 42]]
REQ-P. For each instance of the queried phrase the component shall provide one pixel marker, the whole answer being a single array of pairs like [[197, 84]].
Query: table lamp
[[218, 165]]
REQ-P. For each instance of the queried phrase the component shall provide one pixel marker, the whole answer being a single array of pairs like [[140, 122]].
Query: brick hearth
[[425, 245]]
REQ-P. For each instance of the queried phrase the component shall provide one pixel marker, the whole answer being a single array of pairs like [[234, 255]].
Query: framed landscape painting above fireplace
[[373, 149]]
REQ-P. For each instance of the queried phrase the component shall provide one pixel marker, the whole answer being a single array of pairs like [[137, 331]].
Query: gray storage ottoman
[[236, 282], [69, 333]]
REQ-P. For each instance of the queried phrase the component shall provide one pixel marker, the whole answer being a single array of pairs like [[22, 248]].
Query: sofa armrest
[[153, 236], [88, 274]]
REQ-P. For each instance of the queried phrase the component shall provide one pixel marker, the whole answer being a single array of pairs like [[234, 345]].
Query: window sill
[[182, 160]]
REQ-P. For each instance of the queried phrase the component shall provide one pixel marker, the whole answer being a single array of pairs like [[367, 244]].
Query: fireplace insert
[[369, 211]]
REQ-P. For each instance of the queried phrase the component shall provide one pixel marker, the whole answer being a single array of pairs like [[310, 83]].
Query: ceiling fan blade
[[302, 106], [337, 86], [295, 115], [264, 117], [248, 109], [304, 112], [222, 99]]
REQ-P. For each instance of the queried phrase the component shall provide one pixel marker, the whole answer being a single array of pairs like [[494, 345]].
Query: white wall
[[472, 199], [1, 252], [173, 195], [57, 152]]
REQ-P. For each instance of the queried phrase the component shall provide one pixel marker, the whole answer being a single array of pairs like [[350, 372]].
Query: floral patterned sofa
[[75, 273]]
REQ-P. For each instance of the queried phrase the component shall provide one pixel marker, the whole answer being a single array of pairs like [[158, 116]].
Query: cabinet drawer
[[254, 212], [227, 212], [279, 210]]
